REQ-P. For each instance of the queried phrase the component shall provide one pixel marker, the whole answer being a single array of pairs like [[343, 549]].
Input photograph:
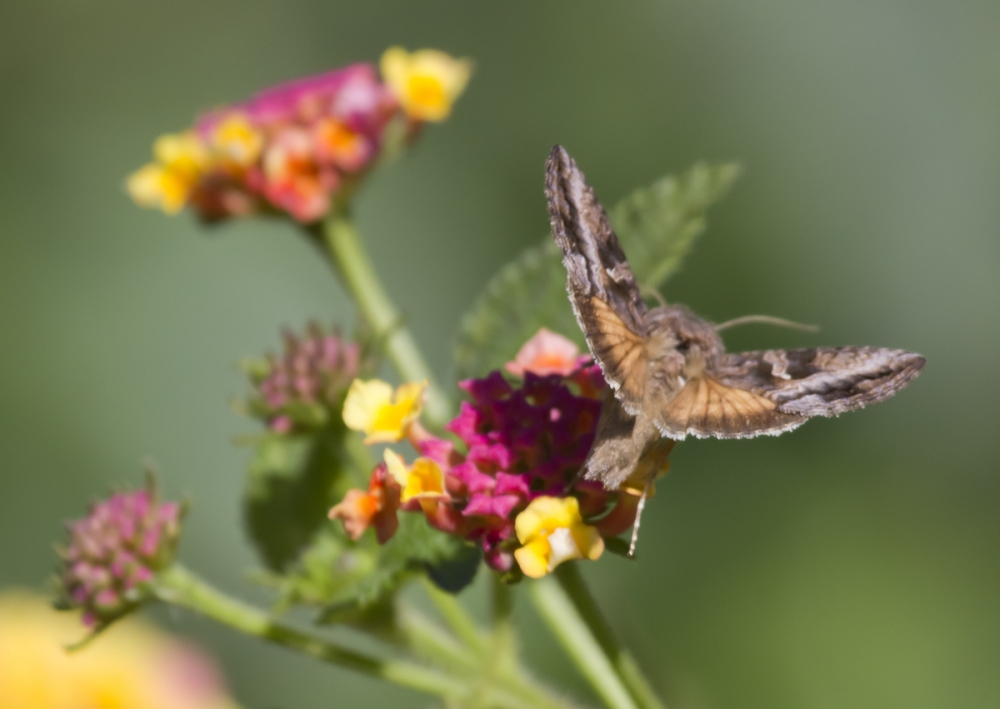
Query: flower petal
[[544, 354], [533, 558], [363, 403], [426, 82], [396, 466]]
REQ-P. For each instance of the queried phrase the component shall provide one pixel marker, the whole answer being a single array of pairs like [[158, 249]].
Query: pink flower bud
[[306, 384], [115, 551]]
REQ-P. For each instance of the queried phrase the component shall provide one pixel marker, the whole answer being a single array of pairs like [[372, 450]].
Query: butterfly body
[[668, 371]]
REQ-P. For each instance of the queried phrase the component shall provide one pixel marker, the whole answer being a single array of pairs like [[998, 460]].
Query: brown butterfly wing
[[602, 289], [772, 391], [821, 381], [705, 407]]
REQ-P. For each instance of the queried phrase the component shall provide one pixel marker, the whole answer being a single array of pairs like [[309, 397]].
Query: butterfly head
[[680, 342]]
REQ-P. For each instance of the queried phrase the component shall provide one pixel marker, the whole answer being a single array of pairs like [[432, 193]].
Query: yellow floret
[[168, 182], [374, 409], [237, 140], [423, 481], [552, 531], [426, 82]]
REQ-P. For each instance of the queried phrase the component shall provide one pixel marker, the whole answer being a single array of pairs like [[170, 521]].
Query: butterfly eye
[[684, 346]]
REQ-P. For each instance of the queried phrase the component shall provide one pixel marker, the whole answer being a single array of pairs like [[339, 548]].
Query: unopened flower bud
[[299, 389], [115, 552]]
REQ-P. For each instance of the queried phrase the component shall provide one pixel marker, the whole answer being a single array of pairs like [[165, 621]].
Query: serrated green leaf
[[524, 295], [414, 547], [656, 225], [328, 565], [291, 484]]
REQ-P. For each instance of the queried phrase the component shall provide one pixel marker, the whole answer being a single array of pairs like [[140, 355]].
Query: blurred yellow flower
[[130, 666], [237, 140], [383, 415], [426, 82], [552, 531], [423, 481], [167, 182]]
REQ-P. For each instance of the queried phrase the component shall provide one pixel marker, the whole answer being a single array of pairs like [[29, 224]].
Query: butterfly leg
[[638, 516]]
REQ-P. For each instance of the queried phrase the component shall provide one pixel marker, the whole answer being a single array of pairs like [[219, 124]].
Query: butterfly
[[668, 371]]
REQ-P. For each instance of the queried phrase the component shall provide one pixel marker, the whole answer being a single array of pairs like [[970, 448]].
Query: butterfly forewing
[[821, 381], [599, 280]]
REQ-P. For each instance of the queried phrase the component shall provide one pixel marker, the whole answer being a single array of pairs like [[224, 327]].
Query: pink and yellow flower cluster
[[511, 483], [294, 148]]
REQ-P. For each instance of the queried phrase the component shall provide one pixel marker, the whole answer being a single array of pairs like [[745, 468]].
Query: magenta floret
[[521, 442]]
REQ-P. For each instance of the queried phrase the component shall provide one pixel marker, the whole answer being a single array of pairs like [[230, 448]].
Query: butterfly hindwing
[[621, 352], [705, 407]]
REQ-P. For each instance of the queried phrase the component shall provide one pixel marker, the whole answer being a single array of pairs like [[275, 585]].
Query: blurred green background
[[852, 564]]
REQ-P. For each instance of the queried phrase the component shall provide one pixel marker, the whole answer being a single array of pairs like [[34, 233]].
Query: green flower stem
[[503, 658], [179, 587], [559, 610], [425, 639], [494, 654], [455, 616], [359, 277], [571, 582], [502, 649]]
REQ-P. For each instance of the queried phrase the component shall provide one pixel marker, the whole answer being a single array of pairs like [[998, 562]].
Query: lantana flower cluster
[[512, 485], [136, 667], [299, 389], [295, 147], [115, 551]]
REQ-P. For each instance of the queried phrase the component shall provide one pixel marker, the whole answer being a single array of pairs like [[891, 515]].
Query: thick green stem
[[564, 619], [179, 587], [502, 650], [360, 279], [425, 639], [621, 659], [495, 654], [456, 617], [503, 658]]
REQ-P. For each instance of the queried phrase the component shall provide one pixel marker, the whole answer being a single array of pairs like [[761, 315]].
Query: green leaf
[[291, 485], [330, 564], [414, 548], [524, 295], [656, 225], [454, 574]]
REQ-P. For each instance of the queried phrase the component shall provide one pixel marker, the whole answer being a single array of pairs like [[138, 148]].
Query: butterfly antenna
[[656, 295], [638, 516], [766, 320]]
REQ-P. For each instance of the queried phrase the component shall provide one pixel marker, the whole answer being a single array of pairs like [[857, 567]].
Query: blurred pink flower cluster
[[296, 147], [114, 552]]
